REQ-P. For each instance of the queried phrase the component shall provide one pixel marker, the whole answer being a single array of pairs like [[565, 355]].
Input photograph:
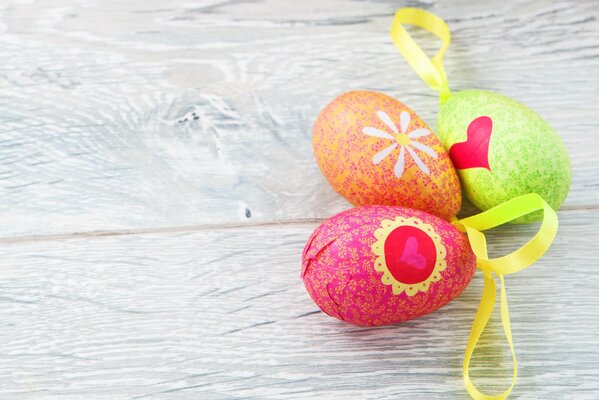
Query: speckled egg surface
[[374, 150], [381, 265], [502, 149]]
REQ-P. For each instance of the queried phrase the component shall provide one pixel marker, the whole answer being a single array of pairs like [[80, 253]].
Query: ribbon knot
[[508, 264], [431, 71]]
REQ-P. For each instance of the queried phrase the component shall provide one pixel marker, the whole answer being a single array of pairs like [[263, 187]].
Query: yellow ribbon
[[430, 70], [433, 73], [509, 264]]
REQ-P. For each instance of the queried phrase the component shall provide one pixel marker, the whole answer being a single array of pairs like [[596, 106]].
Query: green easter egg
[[502, 149]]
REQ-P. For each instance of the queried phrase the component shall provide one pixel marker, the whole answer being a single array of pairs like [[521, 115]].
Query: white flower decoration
[[403, 139]]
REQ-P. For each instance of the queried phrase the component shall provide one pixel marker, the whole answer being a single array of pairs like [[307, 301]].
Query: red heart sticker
[[410, 254], [474, 152]]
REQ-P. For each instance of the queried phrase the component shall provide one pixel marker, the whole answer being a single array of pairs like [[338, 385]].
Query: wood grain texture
[[223, 314], [121, 115], [157, 187]]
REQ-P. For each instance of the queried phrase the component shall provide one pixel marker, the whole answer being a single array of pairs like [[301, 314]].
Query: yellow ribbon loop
[[509, 264], [433, 73], [430, 70]]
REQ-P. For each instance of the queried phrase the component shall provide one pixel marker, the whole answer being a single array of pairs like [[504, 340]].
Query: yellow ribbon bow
[[433, 73], [508, 264]]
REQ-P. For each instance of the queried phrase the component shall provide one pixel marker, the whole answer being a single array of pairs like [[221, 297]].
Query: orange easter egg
[[374, 150]]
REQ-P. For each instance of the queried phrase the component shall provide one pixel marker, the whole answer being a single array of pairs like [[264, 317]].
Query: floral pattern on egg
[[517, 152], [427, 262], [374, 150], [403, 139]]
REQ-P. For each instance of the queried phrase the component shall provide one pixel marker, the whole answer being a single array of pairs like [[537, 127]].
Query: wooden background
[[157, 186]]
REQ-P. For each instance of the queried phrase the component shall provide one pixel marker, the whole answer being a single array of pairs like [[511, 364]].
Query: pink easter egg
[[380, 265]]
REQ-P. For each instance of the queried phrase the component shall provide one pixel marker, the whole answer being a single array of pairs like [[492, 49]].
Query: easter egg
[[502, 149], [379, 265], [374, 150]]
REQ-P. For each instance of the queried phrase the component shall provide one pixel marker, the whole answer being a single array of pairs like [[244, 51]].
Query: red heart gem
[[474, 152]]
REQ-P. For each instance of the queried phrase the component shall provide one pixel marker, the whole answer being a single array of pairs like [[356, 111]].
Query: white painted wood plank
[[128, 115], [222, 314]]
